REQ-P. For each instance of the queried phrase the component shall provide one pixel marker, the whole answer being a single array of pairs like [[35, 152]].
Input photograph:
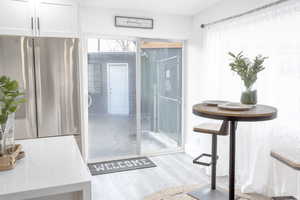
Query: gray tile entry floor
[[172, 170], [115, 136], [111, 136]]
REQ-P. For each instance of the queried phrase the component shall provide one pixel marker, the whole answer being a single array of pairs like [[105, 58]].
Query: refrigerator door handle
[[32, 115], [32, 26], [37, 83], [38, 26]]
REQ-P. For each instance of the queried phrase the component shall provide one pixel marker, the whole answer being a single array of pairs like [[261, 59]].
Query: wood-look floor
[[172, 170]]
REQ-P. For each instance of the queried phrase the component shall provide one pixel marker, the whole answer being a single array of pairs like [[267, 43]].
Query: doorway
[[117, 86], [112, 122], [135, 89]]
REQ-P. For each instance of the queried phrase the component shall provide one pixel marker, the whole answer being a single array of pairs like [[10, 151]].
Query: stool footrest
[[196, 160]]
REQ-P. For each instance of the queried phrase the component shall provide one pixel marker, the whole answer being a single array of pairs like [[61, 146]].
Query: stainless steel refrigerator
[[47, 71]]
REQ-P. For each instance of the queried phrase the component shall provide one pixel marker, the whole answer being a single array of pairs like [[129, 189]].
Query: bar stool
[[215, 130], [290, 158]]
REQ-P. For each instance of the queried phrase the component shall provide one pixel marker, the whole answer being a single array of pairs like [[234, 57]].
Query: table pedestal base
[[206, 193]]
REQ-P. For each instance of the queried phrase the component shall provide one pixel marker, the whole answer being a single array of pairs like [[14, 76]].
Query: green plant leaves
[[246, 69], [10, 98]]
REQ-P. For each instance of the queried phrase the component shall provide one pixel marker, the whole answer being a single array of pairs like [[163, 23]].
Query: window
[[107, 45]]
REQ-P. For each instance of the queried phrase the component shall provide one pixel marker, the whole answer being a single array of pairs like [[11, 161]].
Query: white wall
[[220, 10], [96, 20]]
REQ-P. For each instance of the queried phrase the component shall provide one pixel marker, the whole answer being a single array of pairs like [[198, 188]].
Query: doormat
[[114, 166]]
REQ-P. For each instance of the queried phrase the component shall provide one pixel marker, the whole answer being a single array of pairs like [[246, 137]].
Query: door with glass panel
[[161, 93], [111, 98]]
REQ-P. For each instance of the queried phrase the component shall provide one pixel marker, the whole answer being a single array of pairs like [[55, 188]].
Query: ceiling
[[177, 7]]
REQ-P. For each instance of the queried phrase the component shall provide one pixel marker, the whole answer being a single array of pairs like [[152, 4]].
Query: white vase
[[10, 133], [7, 136]]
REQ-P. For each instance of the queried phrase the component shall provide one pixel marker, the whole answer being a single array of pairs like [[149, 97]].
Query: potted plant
[[248, 71], [10, 100]]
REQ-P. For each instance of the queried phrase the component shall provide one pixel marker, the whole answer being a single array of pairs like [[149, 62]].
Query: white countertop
[[51, 166]]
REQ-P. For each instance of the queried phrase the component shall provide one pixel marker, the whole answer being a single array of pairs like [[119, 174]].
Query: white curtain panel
[[274, 33]]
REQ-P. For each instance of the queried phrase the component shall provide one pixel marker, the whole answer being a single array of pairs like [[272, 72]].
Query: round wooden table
[[258, 113]]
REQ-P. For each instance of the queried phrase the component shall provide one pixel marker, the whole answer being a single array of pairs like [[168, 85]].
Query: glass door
[[112, 98], [134, 105], [161, 93]]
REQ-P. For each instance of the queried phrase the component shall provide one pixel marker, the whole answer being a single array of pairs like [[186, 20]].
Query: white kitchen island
[[52, 169]]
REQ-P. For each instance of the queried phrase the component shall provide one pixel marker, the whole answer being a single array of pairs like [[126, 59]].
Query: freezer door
[[57, 86], [16, 61]]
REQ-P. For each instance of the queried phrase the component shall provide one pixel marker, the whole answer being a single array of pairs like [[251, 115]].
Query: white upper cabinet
[[16, 17], [53, 18], [57, 18]]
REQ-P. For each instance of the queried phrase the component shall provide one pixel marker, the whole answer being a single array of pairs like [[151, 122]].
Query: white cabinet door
[[57, 18], [16, 17]]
